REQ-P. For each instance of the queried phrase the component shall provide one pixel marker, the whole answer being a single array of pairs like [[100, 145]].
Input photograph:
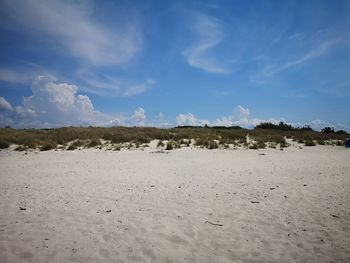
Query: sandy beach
[[185, 205]]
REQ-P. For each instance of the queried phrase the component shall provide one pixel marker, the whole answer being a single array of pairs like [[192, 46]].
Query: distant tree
[[305, 128], [328, 130], [281, 126], [341, 132]]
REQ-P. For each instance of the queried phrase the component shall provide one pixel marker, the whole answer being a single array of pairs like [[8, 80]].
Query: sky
[[167, 63]]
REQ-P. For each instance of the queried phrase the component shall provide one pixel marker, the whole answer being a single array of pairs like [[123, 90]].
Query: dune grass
[[71, 138]]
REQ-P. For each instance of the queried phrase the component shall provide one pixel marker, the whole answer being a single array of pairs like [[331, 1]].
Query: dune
[[189, 205]]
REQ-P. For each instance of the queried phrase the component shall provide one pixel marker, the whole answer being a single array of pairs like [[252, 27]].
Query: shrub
[[310, 143], [340, 143], [321, 142], [117, 148], [4, 144], [284, 144], [20, 148], [212, 144], [47, 147], [72, 147], [160, 144], [261, 145], [273, 145], [169, 146], [93, 143], [254, 146]]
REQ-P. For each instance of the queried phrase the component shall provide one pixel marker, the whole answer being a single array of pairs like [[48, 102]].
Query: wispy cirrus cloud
[[71, 25], [338, 89], [9, 75], [313, 53], [105, 85], [209, 34]]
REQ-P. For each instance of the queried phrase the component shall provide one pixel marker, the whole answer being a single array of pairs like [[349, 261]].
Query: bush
[[340, 143], [160, 144], [72, 147], [169, 146], [117, 148], [284, 144], [261, 145], [310, 143], [93, 143], [4, 145], [47, 147], [321, 142], [254, 146], [212, 144], [20, 148]]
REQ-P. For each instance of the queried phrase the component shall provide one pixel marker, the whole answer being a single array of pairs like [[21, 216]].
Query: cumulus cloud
[[139, 117], [71, 25], [241, 112], [5, 105], [239, 117], [209, 33], [56, 104], [189, 119], [53, 104]]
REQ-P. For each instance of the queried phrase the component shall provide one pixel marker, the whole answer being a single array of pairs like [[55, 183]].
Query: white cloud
[[54, 104], [241, 117], [189, 119], [71, 25], [315, 52], [10, 75], [5, 105], [312, 54], [209, 33], [57, 104], [161, 115], [241, 112], [139, 117], [159, 120], [319, 124], [113, 86]]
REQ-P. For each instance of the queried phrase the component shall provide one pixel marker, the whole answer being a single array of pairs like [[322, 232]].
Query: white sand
[[160, 204]]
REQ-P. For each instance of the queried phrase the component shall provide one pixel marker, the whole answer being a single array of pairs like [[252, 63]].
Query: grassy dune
[[115, 138]]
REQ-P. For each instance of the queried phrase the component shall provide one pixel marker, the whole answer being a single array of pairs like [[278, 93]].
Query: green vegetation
[[4, 144], [310, 143], [169, 146], [114, 138]]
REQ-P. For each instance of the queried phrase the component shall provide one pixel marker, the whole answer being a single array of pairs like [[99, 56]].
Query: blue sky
[[167, 63]]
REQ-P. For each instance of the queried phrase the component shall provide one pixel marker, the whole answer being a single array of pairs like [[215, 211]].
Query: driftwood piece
[[214, 224]]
